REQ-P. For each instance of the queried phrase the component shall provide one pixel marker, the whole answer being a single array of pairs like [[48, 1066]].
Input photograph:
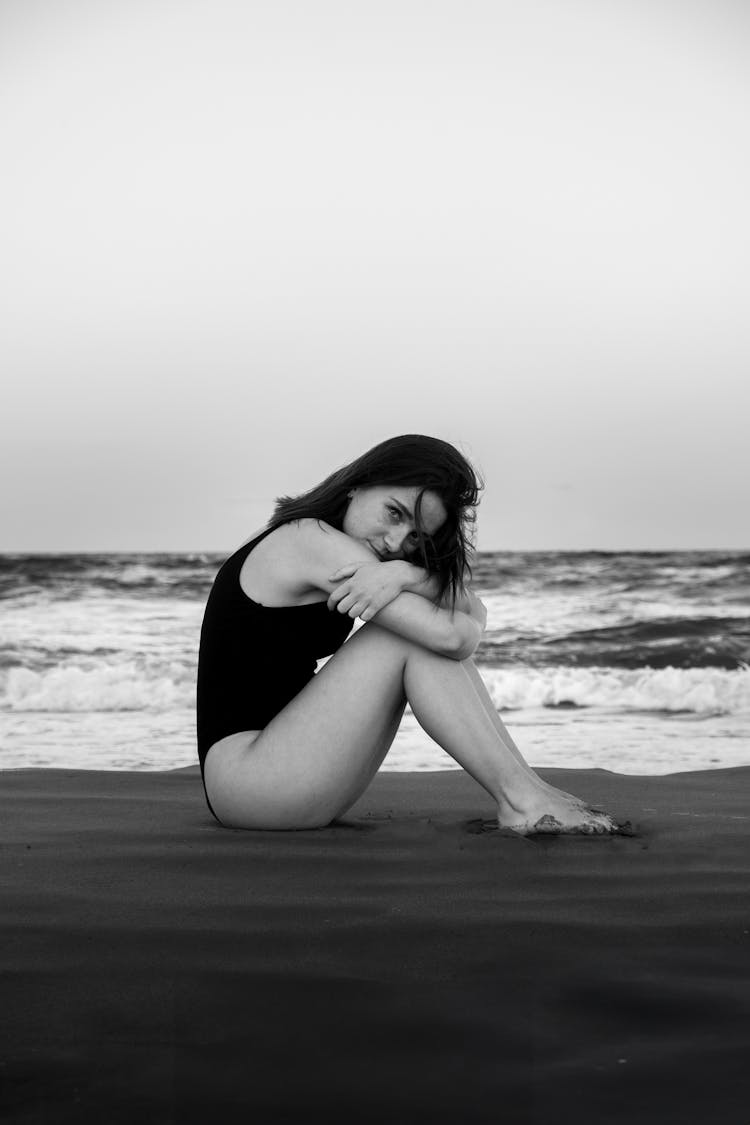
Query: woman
[[383, 539]]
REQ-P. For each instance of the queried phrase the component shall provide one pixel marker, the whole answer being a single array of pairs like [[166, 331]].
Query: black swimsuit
[[253, 658]]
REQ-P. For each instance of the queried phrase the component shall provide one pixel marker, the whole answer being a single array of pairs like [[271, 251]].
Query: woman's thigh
[[317, 756]]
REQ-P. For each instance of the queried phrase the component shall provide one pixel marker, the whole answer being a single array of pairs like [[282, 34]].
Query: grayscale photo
[[375, 562]]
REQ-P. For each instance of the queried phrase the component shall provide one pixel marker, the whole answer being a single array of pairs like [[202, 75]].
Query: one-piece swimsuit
[[253, 658]]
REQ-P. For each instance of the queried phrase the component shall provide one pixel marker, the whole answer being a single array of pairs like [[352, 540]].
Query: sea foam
[[121, 687], [703, 691], [158, 687]]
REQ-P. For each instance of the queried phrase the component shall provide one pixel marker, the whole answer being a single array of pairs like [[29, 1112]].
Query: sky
[[242, 242]]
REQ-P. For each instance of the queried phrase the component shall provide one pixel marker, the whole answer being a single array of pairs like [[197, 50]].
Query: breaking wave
[[152, 686], [701, 691]]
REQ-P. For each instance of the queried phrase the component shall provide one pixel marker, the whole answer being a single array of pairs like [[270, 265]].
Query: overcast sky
[[242, 241]]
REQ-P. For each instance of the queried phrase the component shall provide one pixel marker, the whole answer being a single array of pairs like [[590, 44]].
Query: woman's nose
[[395, 539]]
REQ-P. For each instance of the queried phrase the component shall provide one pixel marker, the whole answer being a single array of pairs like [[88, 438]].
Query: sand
[[405, 966]]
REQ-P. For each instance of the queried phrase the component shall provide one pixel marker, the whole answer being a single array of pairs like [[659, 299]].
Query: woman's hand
[[366, 588]]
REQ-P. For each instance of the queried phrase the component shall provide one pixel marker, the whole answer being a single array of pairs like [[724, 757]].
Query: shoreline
[[407, 964]]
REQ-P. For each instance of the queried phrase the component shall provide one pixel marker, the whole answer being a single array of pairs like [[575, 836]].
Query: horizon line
[[480, 551]]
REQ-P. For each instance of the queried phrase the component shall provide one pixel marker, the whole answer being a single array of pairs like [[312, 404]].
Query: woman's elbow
[[462, 643]]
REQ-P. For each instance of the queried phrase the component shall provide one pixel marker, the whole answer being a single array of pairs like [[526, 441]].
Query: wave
[[160, 687], [76, 576], [700, 691], [111, 687], [582, 568], [546, 572], [682, 642]]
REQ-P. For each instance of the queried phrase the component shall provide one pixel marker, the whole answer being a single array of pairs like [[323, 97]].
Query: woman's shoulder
[[299, 556], [311, 537], [277, 568], [304, 533], [307, 525], [283, 534]]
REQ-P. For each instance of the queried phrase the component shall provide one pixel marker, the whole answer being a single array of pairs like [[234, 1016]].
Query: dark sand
[[405, 966]]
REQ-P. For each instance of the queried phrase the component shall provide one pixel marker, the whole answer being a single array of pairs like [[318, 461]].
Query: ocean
[[636, 662]]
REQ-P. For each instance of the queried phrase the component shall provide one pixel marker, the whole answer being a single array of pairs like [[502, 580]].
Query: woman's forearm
[[419, 581], [469, 634], [455, 635], [405, 599]]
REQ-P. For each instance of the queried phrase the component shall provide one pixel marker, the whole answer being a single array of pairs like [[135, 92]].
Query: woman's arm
[[320, 552], [370, 586], [452, 634], [420, 581], [426, 585]]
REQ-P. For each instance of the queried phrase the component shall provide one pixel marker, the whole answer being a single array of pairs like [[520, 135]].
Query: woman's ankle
[[519, 793]]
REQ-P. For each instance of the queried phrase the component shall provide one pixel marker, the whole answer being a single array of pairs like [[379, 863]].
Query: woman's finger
[[358, 608], [336, 595], [346, 603], [344, 572]]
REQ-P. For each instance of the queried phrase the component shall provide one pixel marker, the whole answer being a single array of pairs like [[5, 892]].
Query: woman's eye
[[394, 512]]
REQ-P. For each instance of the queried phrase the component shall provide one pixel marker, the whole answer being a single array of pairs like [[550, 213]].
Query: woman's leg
[[503, 732], [486, 701], [319, 754], [523, 798]]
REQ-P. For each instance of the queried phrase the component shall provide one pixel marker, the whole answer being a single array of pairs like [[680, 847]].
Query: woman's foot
[[550, 811]]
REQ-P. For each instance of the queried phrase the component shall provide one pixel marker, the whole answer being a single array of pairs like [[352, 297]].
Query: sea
[[630, 661]]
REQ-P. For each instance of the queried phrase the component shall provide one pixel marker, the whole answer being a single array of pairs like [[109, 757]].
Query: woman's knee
[[384, 640]]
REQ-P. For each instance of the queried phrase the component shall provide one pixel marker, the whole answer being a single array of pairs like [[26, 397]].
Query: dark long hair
[[409, 460]]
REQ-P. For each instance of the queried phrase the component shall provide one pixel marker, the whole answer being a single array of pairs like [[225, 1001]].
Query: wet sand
[[407, 965]]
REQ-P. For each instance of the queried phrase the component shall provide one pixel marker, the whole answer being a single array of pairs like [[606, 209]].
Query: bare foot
[[550, 811]]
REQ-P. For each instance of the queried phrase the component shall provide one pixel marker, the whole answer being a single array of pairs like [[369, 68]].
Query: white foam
[[119, 687], [160, 685], [704, 691]]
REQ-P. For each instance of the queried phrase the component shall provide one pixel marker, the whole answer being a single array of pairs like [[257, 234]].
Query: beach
[[407, 964]]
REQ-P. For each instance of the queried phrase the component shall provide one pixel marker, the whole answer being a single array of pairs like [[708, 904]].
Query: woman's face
[[383, 517]]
